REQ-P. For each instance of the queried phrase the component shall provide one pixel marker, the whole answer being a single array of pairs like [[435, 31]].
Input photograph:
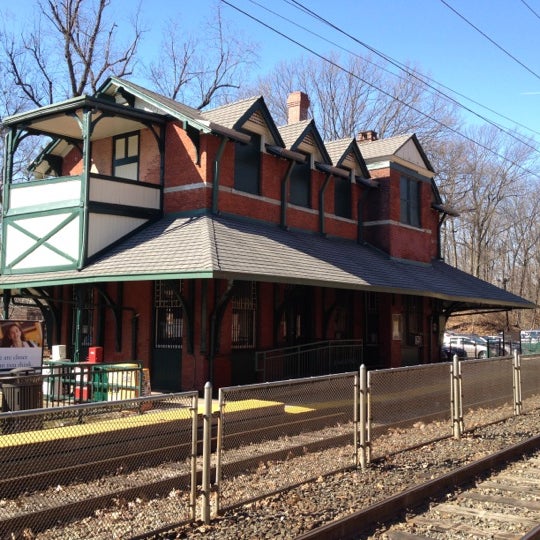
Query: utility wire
[[491, 40], [335, 64], [412, 73], [530, 9]]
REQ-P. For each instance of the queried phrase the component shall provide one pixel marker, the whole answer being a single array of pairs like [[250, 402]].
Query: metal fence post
[[207, 439], [516, 371], [194, 442], [363, 406], [219, 448], [456, 404]]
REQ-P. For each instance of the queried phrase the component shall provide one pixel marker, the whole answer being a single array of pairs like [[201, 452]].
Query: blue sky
[[424, 32]]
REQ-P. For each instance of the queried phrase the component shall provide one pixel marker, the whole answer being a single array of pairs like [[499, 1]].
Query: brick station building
[[199, 243]]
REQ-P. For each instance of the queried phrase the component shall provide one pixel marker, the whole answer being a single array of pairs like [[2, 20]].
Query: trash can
[[22, 390]]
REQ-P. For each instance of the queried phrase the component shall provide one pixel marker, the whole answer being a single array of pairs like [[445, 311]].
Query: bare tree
[[69, 50], [354, 94], [204, 68]]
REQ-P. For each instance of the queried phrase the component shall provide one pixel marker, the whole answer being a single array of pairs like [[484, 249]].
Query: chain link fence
[[487, 385], [407, 407], [273, 436], [530, 380], [64, 463], [142, 462]]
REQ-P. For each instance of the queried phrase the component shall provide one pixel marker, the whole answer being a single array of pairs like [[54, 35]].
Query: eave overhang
[[227, 248]]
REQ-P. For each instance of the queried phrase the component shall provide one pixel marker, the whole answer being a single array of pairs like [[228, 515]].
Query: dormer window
[[300, 186], [342, 197], [126, 156], [409, 195], [247, 165]]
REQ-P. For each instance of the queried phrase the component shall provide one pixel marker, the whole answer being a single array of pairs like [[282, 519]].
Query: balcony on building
[[96, 175]]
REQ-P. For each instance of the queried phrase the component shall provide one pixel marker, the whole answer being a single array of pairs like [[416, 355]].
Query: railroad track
[[497, 497]]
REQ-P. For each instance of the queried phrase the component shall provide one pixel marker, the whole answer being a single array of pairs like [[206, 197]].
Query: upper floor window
[[126, 156], [300, 187], [409, 194], [247, 165], [342, 197]]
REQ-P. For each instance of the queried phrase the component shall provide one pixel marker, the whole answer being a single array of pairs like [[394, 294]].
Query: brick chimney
[[366, 136], [298, 105]]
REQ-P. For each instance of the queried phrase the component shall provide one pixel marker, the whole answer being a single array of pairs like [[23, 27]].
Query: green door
[[166, 367]]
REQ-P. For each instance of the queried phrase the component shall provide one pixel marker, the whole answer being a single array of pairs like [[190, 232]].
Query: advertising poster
[[21, 344]]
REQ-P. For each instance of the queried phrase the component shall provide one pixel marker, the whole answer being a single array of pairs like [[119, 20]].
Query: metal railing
[[61, 383], [309, 360]]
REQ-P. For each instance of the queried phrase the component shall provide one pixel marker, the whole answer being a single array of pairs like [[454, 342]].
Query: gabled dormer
[[400, 217], [349, 168], [97, 180], [252, 118], [300, 135]]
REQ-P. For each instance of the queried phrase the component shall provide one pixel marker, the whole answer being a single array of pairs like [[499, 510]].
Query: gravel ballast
[[306, 506]]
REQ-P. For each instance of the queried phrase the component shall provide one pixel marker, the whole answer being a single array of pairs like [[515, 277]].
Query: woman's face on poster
[[14, 333]]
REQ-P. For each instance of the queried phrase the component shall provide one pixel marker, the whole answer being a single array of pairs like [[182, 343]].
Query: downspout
[[439, 227], [284, 193], [215, 320], [322, 191], [161, 147], [215, 185], [360, 217]]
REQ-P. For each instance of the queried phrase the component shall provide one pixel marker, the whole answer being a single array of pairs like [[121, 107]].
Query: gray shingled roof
[[337, 148], [383, 147], [220, 247], [228, 115], [164, 103], [290, 132]]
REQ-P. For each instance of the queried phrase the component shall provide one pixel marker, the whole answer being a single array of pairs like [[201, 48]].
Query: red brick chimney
[[298, 104], [366, 136]]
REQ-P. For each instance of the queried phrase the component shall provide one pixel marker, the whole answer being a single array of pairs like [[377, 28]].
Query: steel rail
[[350, 527]]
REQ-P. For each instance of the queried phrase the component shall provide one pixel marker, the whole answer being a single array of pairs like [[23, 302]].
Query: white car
[[474, 346]]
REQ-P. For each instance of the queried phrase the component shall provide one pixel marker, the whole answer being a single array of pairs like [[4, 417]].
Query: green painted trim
[[81, 102], [47, 181], [42, 240], [44, 209], [201, 125], [41, 269], [80, 278]]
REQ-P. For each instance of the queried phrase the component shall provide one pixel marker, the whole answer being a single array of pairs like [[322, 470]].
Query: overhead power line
[[412, 73], [530, 9], [381, 90], [491, 40]]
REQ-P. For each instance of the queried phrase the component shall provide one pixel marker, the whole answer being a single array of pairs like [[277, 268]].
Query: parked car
[[473, 345], [448, 351], [531, 336]]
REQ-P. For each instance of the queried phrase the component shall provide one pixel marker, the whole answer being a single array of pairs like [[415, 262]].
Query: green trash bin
[[22, 390]]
